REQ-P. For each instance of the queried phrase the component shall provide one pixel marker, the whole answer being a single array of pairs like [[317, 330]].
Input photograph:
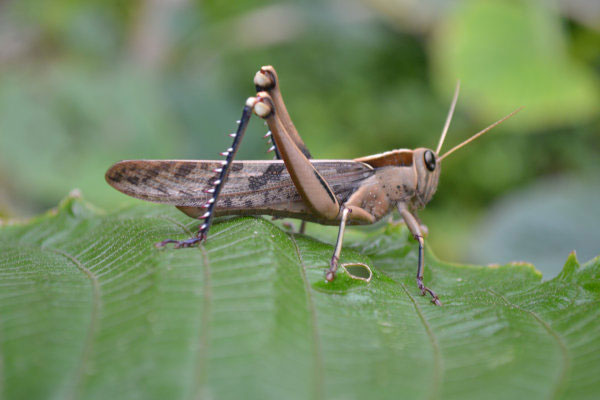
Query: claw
[[333, 265], [330, 276], [180, 243], [425, 290]]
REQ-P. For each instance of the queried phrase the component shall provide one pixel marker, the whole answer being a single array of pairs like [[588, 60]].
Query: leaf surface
[[90, 309]]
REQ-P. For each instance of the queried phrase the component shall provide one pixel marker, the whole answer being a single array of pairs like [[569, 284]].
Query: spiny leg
[[313, 188], [415, 229], [273, 147], [218, 181], [333, 265]]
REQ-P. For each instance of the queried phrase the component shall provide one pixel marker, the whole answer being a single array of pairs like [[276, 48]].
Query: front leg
[[415, 228], [333, 265]]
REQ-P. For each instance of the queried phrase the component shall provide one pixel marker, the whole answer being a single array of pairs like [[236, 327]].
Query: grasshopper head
[[427, 166]]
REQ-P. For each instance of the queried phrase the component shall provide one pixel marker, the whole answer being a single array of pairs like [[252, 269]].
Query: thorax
[[380, 193]]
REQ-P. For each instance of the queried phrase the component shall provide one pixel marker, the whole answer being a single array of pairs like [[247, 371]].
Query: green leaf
[[90, 309]]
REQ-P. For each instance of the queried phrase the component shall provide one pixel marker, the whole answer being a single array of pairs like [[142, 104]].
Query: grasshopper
[[330, 192]]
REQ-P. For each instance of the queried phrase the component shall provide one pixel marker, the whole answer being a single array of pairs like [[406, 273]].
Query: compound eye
[[429, 159]]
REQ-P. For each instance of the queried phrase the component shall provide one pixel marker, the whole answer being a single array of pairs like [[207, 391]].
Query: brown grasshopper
[[330, 192]]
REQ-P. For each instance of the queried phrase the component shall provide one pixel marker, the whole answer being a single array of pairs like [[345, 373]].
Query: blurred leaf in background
[[511, 53], [541, 223], [84, 84], [66, 123]]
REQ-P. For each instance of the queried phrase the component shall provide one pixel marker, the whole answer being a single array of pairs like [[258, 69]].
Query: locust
[[293, 185]]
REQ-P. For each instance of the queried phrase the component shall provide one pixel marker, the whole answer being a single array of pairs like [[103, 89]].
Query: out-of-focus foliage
[[553, 216], [515, 53], [84, 84], [63, 127]]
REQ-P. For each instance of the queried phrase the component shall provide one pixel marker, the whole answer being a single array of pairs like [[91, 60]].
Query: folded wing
[[252, 185]]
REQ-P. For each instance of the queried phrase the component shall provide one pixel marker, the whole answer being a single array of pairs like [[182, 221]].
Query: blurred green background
[[86, 83]]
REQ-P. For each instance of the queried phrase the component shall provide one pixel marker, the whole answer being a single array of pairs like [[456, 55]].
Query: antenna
[[475, 136], [449, 117]]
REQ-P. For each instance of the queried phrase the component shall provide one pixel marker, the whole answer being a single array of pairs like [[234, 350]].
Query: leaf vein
[[437, 355], [317, 350], [94, 319], [204, 329], [566, 359]]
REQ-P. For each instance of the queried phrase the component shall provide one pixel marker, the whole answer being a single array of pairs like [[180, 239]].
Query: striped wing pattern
[[251, 184]]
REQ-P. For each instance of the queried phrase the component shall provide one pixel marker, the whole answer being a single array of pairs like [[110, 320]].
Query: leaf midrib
[[438, 367], [317, 348], [75, 388]]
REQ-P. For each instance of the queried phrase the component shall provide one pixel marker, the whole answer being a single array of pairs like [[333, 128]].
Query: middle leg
[[352, 212]]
